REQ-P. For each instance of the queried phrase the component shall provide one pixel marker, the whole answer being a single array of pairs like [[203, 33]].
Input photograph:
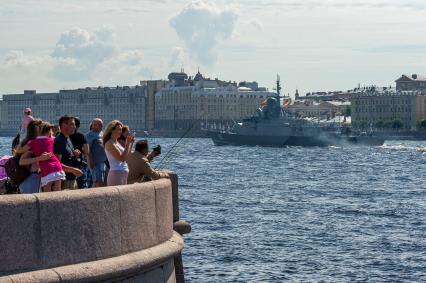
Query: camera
[[157, 149], [79, 163]]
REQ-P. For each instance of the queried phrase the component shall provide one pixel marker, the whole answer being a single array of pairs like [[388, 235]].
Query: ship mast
[[278, 85]]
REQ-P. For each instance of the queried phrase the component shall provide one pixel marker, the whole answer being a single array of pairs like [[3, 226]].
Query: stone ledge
[[42, 231], [105, 270]]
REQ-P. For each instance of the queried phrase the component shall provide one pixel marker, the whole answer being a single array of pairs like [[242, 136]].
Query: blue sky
[[314, 45]]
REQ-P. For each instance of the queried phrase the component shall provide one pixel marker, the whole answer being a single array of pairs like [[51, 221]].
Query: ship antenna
[[278, 85]]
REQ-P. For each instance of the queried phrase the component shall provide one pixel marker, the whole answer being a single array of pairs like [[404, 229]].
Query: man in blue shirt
[[97, 150]]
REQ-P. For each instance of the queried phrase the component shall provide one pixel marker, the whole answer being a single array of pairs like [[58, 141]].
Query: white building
[[126, 104]]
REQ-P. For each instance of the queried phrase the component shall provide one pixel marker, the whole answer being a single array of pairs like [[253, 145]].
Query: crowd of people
[[62, 158]]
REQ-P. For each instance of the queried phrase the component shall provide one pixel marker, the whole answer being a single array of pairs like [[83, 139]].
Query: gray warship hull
[[322, 139], [275, 126]]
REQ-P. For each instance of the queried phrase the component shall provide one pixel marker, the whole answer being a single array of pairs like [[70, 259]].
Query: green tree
[[362, 124], [379, 124], [397, 124], [421, 124]]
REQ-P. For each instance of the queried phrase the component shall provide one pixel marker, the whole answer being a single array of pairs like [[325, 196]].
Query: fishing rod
[[168, 154]]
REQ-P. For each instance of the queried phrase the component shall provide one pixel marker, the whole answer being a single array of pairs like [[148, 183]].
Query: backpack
[[15, 172], [3, 160]]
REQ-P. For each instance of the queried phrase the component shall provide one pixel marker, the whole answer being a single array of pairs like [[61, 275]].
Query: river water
[[300, 214]]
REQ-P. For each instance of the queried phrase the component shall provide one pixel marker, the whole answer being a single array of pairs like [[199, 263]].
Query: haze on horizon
[[315, 45]]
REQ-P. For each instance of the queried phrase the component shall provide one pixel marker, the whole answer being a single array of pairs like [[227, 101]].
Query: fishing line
[[175, 145]]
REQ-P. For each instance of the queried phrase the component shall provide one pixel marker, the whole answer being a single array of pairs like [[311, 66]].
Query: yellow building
[[375, 107], [185, 102]]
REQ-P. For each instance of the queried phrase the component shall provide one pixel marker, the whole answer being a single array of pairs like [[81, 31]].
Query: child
[[51, 169]]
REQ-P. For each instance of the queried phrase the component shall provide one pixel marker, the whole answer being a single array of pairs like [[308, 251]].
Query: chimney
[[414, 76]]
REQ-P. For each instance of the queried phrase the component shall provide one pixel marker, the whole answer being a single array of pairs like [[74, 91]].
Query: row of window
[[382, 109]]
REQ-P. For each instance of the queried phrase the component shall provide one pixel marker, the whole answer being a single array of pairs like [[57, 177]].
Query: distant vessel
[[276, 126]]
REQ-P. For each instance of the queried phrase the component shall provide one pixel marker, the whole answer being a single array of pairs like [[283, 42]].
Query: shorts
[[54, 176], [98, 173]]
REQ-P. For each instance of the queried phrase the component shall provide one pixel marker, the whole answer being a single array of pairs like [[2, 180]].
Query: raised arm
[[117, 154], [27, 159], [22, 149]]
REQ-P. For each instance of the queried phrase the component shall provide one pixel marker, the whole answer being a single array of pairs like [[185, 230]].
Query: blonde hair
[[109, 129]]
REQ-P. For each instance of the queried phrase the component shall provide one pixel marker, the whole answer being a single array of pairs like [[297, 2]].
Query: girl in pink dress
[[51, 169]]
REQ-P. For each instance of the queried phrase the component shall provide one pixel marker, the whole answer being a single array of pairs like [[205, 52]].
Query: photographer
[[139, 168]]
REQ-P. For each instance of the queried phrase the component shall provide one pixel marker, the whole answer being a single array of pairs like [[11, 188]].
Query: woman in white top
[[116, 154]]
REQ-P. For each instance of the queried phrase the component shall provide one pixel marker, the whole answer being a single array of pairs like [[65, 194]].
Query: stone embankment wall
[[110, 234]]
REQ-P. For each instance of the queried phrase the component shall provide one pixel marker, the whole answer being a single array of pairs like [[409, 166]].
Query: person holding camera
[[117, 155], [139, 167]]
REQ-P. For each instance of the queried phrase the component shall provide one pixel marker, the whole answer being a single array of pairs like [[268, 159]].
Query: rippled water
[[301, 214]]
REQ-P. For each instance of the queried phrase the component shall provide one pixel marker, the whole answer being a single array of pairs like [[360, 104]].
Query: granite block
[[138, 216], [175, 195], [98, 271], [5, 279], [19, 242], [164, 209], [45, 276], [79, 225]]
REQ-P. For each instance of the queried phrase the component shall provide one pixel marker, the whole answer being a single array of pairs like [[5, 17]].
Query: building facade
[[411, 83], [152, 87], [186, 101], [126, 104], [321, 110], [381, 106]]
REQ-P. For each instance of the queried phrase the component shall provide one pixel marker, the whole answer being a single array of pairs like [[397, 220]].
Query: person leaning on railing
[[139, 167]]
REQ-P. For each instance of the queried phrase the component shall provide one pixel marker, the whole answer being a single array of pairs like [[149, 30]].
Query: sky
[[314, 45]]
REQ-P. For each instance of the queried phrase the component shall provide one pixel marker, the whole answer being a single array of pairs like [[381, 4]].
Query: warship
[[274, 125]]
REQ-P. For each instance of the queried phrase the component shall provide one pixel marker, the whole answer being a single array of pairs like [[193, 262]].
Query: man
[[79, 142], [97, 152], [64, 150], [139, 168]]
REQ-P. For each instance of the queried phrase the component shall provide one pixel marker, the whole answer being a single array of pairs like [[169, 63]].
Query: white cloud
[[79, 57], [126, 68], [86, 51], [409, 4], [177, 58], [201, 26]]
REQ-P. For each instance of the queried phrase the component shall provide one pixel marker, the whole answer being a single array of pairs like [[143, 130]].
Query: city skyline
[[313, 45]]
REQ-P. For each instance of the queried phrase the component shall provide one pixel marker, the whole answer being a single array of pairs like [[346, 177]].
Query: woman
[[32, 132], [117, 155], [32, 183]]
